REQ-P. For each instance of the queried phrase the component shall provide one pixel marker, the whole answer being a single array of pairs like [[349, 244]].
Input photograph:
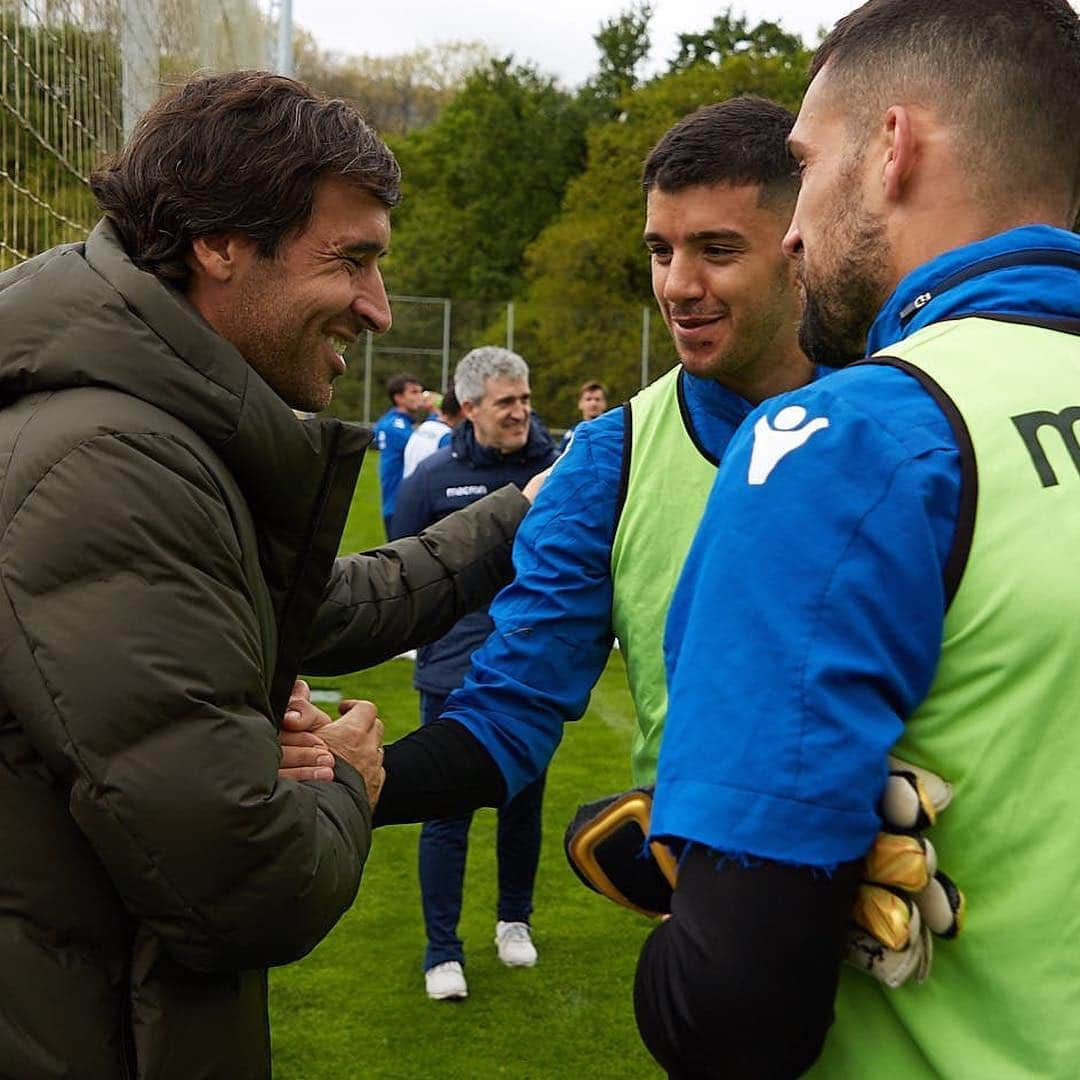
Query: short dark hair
[[1007, 75], [239, 151], [450, 407], [396, 384], [739, 141], [592, 384]]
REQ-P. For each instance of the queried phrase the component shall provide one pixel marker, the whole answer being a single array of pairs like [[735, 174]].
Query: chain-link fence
[[625, 348], [74, 77]]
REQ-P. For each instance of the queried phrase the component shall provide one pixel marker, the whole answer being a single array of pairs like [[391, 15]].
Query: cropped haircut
[[242, 151], [396, 384], [479, 365], [592, 384], [1004, 76], [451, 407], [739, 141]]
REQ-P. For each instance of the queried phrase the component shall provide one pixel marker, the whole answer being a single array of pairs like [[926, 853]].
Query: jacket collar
[[464, 447], [1033, 270]]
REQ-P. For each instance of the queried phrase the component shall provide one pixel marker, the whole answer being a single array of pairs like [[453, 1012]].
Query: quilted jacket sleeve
[[412, 591], [136, 665]]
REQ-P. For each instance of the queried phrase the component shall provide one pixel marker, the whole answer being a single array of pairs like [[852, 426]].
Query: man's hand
[[357, 738], [304, 756], [532, 488], [310, 739]]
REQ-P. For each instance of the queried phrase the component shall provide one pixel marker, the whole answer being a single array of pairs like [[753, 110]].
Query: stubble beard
[[756, 344], [270, 341], [842, 303]]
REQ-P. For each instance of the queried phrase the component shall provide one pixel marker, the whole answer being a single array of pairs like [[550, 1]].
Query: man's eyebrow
[[363, 247], [728, 236]]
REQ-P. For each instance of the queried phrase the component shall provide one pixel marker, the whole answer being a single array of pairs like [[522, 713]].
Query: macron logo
[[774, 441], [465, 490]]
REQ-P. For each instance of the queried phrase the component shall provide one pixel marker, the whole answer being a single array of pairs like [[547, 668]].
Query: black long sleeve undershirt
[[439, 770], [740, 982]]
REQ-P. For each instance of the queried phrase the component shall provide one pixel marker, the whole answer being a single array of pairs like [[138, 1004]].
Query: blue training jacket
[[552, 625], [453, 477], [392, 431], [807, 623]]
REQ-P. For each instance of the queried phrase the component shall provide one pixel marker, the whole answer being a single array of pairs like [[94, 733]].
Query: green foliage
[[624, 43], [481, 182], [731, 36], [60, 88], [396, 94], [356, 1006]]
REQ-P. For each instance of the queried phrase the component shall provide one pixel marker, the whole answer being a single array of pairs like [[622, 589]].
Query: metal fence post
[[284, 42], [646, 314], [139, 52], [510, 325], [368, 347], [445, 345]]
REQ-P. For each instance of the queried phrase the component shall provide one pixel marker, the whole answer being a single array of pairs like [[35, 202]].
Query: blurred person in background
[[495, 444], [592, 402], [392, 431], [434, 432]]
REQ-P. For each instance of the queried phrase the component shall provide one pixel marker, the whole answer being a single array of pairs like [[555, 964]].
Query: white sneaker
[[514, 942], [446, 982]]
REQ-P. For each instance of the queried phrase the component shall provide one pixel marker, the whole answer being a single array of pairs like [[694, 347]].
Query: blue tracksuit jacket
[[807, 623], [552, 625], [455, 476], [392, 431]]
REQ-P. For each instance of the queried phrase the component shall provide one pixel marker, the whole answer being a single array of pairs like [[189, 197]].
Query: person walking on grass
[[496, 444]]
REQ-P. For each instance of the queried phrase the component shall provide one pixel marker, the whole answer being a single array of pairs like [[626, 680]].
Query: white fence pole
[[445, 346], [139, 52], [368, 349]]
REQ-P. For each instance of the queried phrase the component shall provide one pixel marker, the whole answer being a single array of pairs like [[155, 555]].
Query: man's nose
[[371, 304], [683, 279], [792, 242]]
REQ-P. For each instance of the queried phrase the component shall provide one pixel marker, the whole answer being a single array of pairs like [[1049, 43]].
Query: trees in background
[[397, 94]]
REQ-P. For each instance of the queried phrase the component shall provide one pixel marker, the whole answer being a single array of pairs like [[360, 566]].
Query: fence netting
[[74, 77]]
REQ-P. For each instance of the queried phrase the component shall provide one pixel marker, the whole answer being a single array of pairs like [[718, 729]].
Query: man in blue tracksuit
[[392, 431], [888, 556], [496, 445], [720, 188]]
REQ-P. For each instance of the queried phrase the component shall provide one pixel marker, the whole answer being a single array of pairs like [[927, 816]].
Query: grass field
[[356, 1008]]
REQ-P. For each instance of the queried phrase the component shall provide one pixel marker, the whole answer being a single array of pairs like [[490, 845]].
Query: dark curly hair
[[239, 151]]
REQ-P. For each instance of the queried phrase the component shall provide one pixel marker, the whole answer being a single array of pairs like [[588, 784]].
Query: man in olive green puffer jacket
[[168, 532]]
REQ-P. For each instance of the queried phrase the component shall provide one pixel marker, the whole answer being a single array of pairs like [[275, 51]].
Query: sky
[[555, 34]]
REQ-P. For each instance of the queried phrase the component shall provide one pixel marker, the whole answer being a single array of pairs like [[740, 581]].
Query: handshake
[[310, 741]]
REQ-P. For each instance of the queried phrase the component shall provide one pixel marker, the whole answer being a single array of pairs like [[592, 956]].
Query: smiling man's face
[[293, 315], [723, 285]]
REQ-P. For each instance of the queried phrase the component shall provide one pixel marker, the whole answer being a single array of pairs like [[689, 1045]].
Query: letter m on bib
[[1029, 426]]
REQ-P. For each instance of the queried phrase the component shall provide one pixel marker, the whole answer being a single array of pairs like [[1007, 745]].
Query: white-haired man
[[497, 444]]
